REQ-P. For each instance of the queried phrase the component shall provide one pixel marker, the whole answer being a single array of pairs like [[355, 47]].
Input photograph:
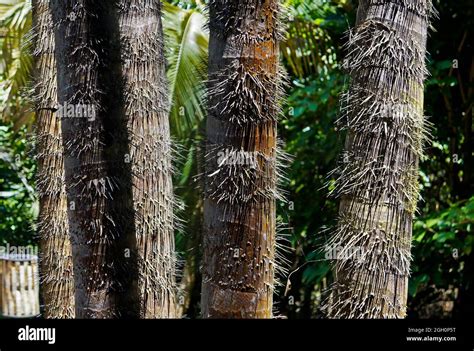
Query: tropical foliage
[[312, 54]]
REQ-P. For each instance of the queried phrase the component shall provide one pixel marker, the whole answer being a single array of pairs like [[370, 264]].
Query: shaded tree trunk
[[240, 177], [377, 183], [146, 114], [56, 258], [95, 143]]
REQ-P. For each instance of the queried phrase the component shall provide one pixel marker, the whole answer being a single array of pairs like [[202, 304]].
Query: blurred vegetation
[[18, 206], [441, 283]]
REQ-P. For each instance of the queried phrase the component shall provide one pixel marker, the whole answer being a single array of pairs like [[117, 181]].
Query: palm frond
[[187, 44], [16, 61], [308, 49]]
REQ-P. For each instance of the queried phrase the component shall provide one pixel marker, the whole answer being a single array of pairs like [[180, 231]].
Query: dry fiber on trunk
[[241, 172], [118, 157], [95, 146], [56, 258], [377, 179], [146, 114]]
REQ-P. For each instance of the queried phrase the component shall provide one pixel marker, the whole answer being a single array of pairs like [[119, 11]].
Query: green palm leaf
[[307, 49], [15, 61], [187, 43]]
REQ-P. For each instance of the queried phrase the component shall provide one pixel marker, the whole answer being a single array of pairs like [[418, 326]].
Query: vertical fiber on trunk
[[377, 177], [56, 258], [241, 171], [95, 143], [146, 114]]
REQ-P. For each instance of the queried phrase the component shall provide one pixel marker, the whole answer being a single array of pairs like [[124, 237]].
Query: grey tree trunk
[[95, 145], [56, 258], [240, 177], [146, 114], [377, 182], [118, 163]]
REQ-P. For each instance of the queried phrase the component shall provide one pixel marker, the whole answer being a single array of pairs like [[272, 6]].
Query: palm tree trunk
[[377, 182], [56, 257], [95, 141], [146, 114], [240, 176]]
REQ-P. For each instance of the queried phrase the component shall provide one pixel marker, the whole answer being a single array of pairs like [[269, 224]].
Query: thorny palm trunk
[[98, 190], [239, 209], [146, 113], [377, 185], [56, 257]]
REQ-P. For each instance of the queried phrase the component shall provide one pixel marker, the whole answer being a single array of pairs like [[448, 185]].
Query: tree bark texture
[[56, 257], [241, 173], [146, 114], [377, 180], [97, 175]]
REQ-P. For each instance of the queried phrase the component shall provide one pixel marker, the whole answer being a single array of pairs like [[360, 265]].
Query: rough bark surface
[[146, 114], [377, 178], [95, 146], [241, 173], [55, 247]]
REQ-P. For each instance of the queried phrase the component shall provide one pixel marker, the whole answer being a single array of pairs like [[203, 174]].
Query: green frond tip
[[187, 43]]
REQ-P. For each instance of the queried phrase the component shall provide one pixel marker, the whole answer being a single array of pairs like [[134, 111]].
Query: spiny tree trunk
[[98, 181], [56, 258], [239, 209], [146, 114], [377, 183]]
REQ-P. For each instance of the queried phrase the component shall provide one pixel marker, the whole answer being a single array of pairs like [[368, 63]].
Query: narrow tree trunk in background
[[99, 193], [240, 177], [146, 113], [377, 184], [55, 247]]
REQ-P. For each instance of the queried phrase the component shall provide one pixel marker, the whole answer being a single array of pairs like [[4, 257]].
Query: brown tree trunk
[[240, 177], [377, 183], [146, 114], [56, 258]]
